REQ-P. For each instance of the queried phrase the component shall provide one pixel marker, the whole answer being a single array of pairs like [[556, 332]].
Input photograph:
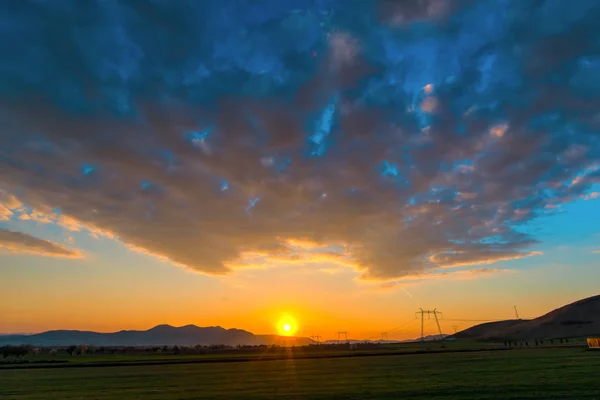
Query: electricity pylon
[[384, 336], [343, 334], [429, 313], [516, 313]]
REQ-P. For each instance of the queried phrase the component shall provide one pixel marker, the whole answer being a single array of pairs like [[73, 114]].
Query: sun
[[287, 326]]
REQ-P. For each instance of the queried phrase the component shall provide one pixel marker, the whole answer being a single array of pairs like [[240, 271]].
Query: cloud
[[5, 213], [19, 242], [486, 257], [8, 203], [239, 131]]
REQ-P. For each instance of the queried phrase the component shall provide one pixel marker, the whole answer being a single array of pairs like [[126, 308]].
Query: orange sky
[[139, 292]]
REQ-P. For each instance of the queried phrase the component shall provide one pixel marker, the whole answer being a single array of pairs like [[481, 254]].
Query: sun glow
[[287, 326]]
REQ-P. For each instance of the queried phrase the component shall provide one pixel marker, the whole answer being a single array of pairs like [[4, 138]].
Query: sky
[[340, 162]]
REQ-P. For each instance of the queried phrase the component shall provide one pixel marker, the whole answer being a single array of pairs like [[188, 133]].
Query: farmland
[[541, 373]]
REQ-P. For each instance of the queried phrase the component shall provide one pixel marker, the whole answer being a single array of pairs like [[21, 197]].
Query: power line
[[435, 314], [471, 320]]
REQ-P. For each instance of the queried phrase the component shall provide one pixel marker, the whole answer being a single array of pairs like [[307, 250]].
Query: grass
[[244, 354], [559, 373]]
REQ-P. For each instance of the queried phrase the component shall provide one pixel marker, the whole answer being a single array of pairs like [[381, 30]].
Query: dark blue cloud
[[417, 134]]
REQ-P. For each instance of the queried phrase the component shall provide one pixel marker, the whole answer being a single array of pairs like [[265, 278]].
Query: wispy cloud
[[465, 259], [19, 242]]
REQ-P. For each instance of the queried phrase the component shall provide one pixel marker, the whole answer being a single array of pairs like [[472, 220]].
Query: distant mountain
[[578, 319], [428, 338], [161, 335]]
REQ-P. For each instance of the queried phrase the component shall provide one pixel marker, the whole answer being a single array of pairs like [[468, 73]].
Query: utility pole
[[384, 336], [343, 334], [516, 313], [316, 338], [455, 328], [435, 314]]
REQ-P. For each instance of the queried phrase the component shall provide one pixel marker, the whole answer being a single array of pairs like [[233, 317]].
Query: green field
[[558, 373]]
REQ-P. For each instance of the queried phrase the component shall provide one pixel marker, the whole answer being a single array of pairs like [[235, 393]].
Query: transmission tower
[[516, 313], [384, 336], [342, 334], [316, 338], [435, 314], [455, 327]]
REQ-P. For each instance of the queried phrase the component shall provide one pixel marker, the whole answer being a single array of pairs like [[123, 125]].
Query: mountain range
[[578, 319], [161, 335]]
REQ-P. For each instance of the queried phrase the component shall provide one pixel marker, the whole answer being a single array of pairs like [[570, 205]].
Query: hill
[[189, 335], [481, 330], [578, 319]]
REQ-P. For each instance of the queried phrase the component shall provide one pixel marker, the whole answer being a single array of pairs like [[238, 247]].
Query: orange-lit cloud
[[11, 206], [19, 242], [462, 259], [498, 130], [591, 196], [429, 104], [5, 213], [9, 201]]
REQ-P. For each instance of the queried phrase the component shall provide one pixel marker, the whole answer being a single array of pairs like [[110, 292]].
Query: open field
[[137, 356], [557, 373]]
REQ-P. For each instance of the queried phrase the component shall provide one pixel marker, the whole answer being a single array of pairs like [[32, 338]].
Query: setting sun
[[287, 325]]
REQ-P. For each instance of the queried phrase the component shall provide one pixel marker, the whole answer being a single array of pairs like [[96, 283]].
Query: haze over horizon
[[297, 167]]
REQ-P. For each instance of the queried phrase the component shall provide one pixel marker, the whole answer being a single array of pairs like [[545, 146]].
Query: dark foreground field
[[515, 374]]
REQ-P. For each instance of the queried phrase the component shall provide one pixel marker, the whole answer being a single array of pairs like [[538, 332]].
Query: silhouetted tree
[[71, 350]]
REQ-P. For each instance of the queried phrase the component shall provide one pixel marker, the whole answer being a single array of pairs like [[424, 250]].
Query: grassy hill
[[578, 319]]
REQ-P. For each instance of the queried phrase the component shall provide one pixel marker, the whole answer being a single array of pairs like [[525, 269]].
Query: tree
[[71, 350]]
